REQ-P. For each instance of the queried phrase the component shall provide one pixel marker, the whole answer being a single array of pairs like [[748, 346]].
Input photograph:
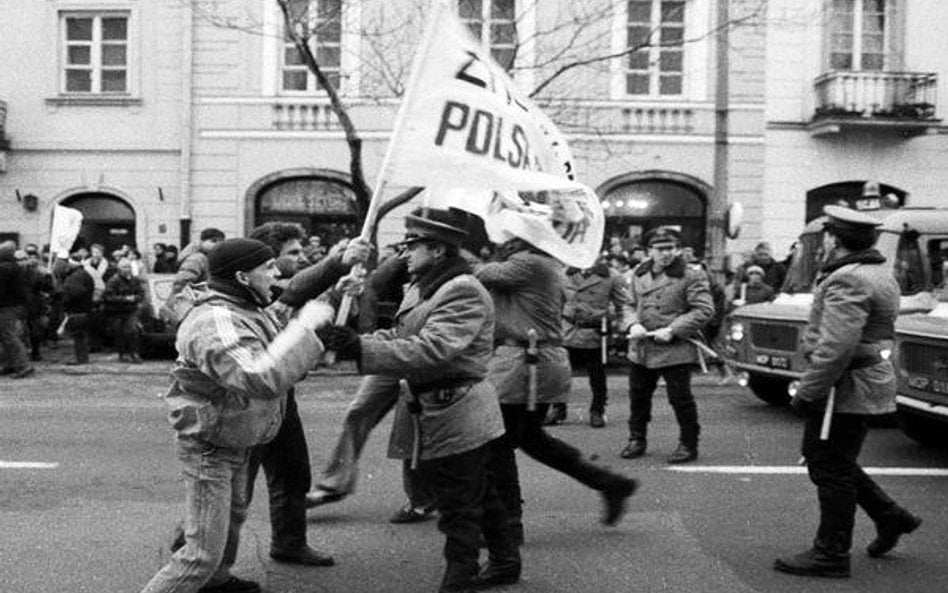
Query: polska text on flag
[[464, 124]]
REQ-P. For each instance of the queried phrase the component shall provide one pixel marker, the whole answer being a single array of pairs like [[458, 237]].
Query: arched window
[[106, 219], [323, 206]]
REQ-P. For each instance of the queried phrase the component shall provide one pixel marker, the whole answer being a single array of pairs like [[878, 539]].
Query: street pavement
[[98, 517]]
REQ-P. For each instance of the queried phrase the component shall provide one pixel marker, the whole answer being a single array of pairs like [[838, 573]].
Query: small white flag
[[66, 225]]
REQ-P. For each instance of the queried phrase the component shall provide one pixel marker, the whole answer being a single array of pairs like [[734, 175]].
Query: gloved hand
[[637, 332], [357, 251], [343, 340]]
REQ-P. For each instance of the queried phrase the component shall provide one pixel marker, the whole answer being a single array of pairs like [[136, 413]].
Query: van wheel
[[770, 389]]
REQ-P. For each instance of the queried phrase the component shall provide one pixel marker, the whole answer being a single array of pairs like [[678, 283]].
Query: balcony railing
[[899, 99]]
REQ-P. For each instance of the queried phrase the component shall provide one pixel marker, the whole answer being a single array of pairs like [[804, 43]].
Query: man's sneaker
[[232, 585], [636, 448], [683, 454], [410, 514]]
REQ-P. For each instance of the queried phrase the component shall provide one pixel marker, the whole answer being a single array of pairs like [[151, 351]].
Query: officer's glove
[[343, 340]]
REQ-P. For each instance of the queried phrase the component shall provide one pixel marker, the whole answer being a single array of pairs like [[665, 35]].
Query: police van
[[922, 369], [762, 341]]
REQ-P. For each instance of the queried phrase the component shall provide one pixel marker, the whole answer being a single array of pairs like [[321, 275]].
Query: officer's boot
[[459, 578], [889, 528], [829, 557], [503, 555]]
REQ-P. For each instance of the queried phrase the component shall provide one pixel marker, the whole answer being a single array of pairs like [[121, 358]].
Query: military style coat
[[588, 298], [677, 297], [851, 325], [446, 339], [528, 291]]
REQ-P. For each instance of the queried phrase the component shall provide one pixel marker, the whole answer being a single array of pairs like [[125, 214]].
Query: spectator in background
[[122, 298], [169, 263], [13, 297], [315, 250], [774, 272], [755, 290], [138, 266], [158, 256], [97, 266], [193, 268], [637, 256], [78, 288], [619, 265], [39, 291]]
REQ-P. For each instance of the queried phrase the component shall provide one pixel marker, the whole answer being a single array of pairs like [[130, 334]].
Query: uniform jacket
[[441, 337], [678, 297], [851, 322], [588, 296], [528, 292], [233, 371]]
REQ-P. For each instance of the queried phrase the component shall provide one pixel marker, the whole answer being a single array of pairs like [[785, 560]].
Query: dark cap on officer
[[855, 230], [431, 224], [662, 236]]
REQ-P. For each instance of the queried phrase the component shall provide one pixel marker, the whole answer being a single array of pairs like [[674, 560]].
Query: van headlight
[[737, 331], [793, 388]]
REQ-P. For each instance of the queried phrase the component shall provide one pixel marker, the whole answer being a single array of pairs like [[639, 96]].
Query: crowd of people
[[475, 361]]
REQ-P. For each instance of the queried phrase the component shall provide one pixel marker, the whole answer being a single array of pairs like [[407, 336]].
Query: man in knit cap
[[236, 362]]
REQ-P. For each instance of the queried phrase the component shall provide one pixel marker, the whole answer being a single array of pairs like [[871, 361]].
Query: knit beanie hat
[[236, 255]]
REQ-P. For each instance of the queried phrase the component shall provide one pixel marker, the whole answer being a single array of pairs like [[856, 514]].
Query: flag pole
[[375, 202]]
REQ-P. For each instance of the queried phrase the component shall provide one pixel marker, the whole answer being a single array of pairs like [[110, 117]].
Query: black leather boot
[[890, 528], [825, 559]]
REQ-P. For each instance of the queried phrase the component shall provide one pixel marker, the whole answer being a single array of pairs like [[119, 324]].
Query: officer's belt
[[525, 344], [453, 384]]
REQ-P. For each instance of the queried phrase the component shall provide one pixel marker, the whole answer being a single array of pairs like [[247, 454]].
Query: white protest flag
[[66, 225], [469, 135]]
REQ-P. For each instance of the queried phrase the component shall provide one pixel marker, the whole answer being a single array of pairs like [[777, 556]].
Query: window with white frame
[[95, 53], [657, 29], [320, 21], [857, 39], [494, 23]]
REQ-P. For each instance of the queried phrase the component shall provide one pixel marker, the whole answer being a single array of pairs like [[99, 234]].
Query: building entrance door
[[106, 220], [635, 208]]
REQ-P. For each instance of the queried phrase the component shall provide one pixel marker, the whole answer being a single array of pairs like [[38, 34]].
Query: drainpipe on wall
[[187, 107], [717, 243]]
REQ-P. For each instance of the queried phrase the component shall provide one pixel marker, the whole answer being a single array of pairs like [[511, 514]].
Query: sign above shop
[[308, 196]]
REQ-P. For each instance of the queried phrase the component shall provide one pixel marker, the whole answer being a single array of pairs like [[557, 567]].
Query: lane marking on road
[[27, 465], [925, 472]]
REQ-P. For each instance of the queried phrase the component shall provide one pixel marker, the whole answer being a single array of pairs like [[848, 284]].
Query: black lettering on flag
[[479, 143], [465, 74], [519, 138], [448, 123]]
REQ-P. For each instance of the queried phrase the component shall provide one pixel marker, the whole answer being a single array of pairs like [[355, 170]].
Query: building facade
[[158, 119]]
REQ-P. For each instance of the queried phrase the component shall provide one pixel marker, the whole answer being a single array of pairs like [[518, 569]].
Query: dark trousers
[[840, 483], [468, 505], [591, 360], [11, 338], [525, 432], [78, 328], [285, 462], [125, 330], [642, 383]]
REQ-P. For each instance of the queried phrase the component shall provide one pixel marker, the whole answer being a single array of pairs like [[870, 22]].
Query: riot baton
[[532, 358], [414, 408], [603, 340], [828, 415]]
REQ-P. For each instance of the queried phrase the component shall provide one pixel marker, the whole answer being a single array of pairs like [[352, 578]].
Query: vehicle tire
[[770, 389], [922, 429]]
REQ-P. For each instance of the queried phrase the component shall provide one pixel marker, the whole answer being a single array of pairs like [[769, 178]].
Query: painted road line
[[27, 465], [924, 472]]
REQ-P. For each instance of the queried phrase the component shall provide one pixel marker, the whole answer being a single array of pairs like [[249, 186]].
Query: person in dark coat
[[595, 300], [670, 302], [441, 345], [755, 290], [122, 299], [78, 288], [848, 339], [13, 300], [774, 272], [527, 286]]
